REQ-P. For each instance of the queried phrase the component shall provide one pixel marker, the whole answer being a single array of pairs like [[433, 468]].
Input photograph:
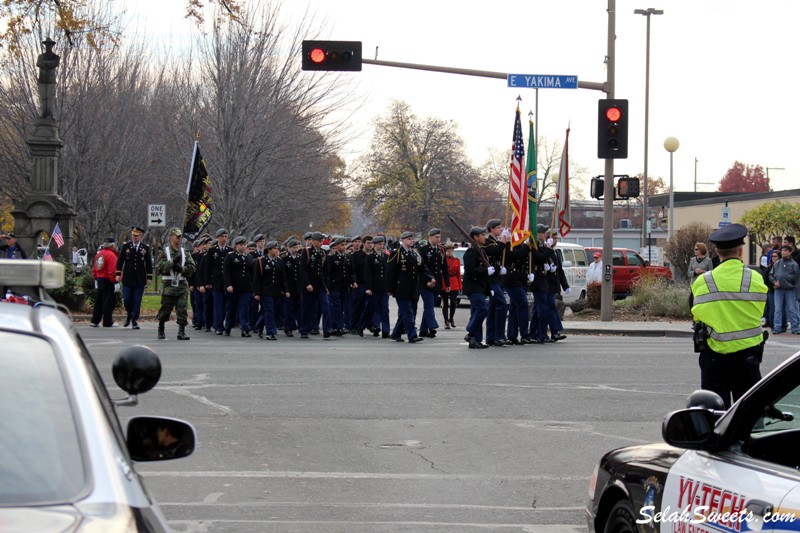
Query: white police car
[[719, 471], [65, 462]]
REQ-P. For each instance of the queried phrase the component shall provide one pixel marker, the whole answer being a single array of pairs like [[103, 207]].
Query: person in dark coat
[[342, 280], [237, 273], [433, 256], [315, 283], [376, 290], [405, 269], [496, 248], [269, 285], [359, 257], [214, 282], [292, 309], [134, 272], [540, 288], [477, 288], [516, 284]]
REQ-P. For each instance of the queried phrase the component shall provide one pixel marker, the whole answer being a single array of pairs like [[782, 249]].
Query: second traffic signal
[[612, 129], [332, 55]]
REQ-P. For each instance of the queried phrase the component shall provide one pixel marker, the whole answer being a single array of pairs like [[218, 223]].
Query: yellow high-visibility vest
[[730, 300]]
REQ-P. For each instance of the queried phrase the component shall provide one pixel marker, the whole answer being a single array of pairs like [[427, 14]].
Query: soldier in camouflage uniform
[[174, 264]]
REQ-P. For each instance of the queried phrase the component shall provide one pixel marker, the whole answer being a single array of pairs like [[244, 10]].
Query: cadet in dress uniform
[[214, 281], [237, 274], [434, 259], [540, 288], [174, 265], [342, 280], [204, 294], [269, 282], [194, 295], [405, 269], [256, 308], [495, 248], [292, 315], [556, 281], [519, 275], [134, 271], [376, 291], [359, 258], [314, 281], [477, 288]]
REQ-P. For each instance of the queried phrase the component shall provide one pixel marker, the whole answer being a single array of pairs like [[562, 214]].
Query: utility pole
[[607, 290]]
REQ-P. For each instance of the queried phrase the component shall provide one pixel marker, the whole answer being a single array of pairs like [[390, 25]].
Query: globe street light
[[645, 216], [671, 144]]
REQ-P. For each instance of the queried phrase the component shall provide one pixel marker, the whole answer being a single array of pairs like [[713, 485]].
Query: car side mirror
[[692, 429], [156, 438], [646, 263]]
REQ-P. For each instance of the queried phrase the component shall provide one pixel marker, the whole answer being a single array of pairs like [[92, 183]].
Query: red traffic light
[[613, 114], [317, 55]]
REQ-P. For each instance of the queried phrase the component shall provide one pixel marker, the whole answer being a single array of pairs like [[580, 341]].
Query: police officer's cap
[[220, 232], [378, 239], [541, 228], [307, 235], [259, 237], [407, 235], [493, 223], [176, 232], [240, 240], [729, 236], [136, 230], [434, 231], [338, 240], [317, 236], [291, 243], [476, 230], [270, 245]]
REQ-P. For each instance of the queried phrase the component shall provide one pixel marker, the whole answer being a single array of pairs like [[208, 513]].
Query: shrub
[[680, 248], [658, 296]]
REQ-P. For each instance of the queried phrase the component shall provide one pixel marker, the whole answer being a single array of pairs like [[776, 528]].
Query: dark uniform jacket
[[340, 272], [135, 267], [193, 279], [540, 283], [436, 262], [291, 266], [269, 278], [237, 272], [312, 269], [359, 264], [375, 272], [200, 272], [405, 272], [494, 251], [476, 275], [519, 263], [213, 270], [556, 280]]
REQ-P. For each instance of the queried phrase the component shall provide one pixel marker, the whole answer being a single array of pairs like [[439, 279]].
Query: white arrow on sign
[[156, 215]]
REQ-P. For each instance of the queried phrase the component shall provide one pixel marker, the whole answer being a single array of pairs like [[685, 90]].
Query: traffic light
[[628, 187], [596, 187], [332, 55], [612, 129]]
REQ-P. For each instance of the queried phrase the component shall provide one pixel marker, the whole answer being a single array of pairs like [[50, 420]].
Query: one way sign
[[157, 215]]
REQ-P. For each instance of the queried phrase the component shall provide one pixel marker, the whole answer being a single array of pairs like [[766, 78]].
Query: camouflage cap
[[175, 231]]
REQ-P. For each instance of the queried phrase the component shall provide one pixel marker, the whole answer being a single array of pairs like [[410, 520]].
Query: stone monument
[[44, 207]]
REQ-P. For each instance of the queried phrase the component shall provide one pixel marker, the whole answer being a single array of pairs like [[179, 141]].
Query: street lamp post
[[671, 144], [646, 12]]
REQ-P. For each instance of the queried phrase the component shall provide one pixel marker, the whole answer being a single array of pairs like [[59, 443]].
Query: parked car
[[628, 266], [718, 471], [66, 463]]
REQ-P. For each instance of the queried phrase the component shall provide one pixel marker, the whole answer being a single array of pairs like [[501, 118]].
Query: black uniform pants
[[730, 375]]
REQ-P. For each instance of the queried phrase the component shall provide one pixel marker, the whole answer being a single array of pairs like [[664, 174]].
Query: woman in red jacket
[[450, 299]]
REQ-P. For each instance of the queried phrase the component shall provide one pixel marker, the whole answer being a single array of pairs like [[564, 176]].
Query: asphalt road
[[368, 435]]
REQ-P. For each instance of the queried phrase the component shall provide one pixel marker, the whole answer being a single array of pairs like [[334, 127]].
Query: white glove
[[530, 277], [567, 290], [506, 234], [547, 267], [490, 270], [116, 287], [491, 292], [503, 271], [549, 242], [95, 284], [764, 261]]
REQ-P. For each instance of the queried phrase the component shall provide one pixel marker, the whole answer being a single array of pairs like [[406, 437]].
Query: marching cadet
[[195, 297], [174, 265], [292, 315], [519, 275], [256, 308], [269, 281], [314, 281], [540, 288], [342, 280], [434, 259], [405, 269], [495, 247], [200, 279], [134, 272], [214, 281], [359, 256], [237, 273], [477, 288], [375, 289], [556, 280]]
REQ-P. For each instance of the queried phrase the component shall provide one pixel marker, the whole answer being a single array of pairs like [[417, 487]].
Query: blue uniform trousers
[[517, 312], [405, 319], [315, 304], [222, 306], [268, 314], [541, 315], [428, 321], [478, 311], [376, 313], [337, 303], [292, 316], [496, 319], [132, 297], [239, 306]]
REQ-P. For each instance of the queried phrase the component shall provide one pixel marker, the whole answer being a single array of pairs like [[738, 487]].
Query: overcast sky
[[721, 76]]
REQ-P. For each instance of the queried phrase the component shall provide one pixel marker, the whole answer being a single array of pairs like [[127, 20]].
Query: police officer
[[375, 290], [237, 274], [134, 272], [174, 265], [495, 246], [477, 287], [214, 281], [342, 281], [314, 281], [269, 283], [405, 270], [434, 258], [728, 306]]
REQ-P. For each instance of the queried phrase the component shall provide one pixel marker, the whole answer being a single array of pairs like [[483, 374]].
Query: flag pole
[[508, 181]]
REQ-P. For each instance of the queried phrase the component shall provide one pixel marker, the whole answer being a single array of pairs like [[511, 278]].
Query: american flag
[[47, 256], [518, 188], [58, 236]]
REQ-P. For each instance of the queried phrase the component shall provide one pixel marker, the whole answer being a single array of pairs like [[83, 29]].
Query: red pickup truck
[[628, 266]]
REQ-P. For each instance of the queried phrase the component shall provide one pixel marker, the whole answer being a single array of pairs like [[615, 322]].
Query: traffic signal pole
[[607, 292]]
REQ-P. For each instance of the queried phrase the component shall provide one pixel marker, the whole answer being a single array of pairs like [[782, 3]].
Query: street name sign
[[542, 81], [156, 215]]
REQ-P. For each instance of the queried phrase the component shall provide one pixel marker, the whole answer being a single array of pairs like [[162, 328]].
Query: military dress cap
[[270, 245], [136, 230], [338, 240], [291, 243], [356, 238], [434, 231], [307, 235], [378, 239], [240, 240], [476, 230], [493, 223], [220, 232], [175, 231], [541, 228], [729, 236], [259, 237], [317, 236], [251, 244], [407, 235]]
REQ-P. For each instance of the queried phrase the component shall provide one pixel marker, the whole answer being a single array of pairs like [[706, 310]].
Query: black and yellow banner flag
[[199, 203]]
